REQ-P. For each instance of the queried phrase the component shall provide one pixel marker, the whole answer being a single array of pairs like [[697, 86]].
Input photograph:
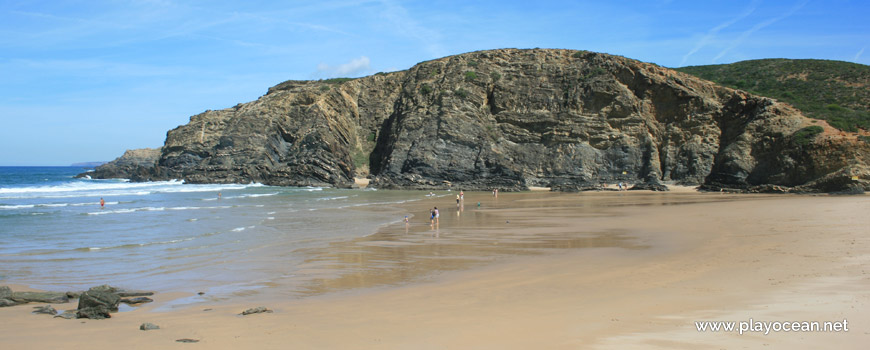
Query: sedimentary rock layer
[[511, 119]]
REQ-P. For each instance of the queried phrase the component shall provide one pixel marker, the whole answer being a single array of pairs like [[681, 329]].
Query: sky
[[85, 80]]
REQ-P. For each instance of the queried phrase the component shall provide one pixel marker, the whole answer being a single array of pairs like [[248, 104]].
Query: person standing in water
[[437, 215], [102, 203]]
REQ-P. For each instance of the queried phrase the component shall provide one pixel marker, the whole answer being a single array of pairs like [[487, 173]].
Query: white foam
[[23, 206], [99, 188], [132, 210], [254, 195], [332, 198], [238, 229]]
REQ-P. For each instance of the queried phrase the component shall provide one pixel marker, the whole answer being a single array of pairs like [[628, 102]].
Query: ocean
[[170, 236]]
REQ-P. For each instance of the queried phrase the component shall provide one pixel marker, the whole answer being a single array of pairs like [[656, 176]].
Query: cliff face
[[136, 165], [513, 119]]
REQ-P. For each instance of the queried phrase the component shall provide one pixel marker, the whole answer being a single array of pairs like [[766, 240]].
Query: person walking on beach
[[431, 217], [437, 216], [457, 200], [461, 195], [102, 203]]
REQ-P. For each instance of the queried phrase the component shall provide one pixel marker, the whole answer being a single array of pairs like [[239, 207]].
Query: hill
[[510, 119], [835, 91]]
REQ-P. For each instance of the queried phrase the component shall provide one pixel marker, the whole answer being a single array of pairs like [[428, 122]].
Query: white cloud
[[355, 67], [858, 55]]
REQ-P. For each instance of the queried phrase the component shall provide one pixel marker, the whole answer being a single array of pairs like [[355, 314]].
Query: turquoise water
[[170, 236]]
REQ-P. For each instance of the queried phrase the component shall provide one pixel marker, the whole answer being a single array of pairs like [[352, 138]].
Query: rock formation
[[136, 165], [509, 119]]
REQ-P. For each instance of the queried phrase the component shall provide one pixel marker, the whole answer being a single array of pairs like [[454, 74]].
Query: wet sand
[[598, 270]]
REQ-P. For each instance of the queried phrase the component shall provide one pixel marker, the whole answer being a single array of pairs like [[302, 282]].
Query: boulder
[[40, 297], [94, 313], [136, 301], [8, 302], [148, 326], [121, 292], [134, 293], [99, 299]]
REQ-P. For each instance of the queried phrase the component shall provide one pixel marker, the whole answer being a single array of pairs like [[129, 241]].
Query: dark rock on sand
[[105, 288], [94, 298], [98, 302], [94, 313], [136, 301], [148, 326], [44, 310], [8, 302], [68, 314], [40, 297], [121, 292], [5, 297], [256, 310], [649, 187], [134, 293], [187, 340]]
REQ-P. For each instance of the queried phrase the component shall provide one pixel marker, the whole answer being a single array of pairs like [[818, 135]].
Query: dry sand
[[609, 270]]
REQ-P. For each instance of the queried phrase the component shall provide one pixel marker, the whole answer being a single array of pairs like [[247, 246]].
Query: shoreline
[[640, 267]]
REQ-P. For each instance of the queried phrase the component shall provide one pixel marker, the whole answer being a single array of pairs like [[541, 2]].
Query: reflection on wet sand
[[516, 224]]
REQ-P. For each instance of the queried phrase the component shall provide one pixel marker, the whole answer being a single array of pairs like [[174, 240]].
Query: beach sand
[[596, 270]]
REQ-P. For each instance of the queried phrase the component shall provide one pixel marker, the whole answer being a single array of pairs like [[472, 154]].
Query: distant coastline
[[87, 164]]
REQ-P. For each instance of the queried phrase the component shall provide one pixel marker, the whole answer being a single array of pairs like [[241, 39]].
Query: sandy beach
[[595, 270]]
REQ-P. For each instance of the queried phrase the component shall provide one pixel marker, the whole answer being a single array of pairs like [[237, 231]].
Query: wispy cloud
[[758, 27], [356, 66], [407, 26], [712, 32], [858, 55]]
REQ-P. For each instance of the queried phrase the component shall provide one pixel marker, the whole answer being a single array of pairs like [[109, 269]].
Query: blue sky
[[85, 80]]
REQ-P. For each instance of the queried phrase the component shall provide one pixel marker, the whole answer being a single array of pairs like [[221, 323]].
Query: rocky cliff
[[136, 165], [513, 119]]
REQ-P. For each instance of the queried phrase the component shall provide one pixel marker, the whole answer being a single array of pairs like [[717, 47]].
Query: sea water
[[168, 235]]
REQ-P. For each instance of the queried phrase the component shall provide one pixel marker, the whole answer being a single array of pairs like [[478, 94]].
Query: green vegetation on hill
[[835, 91], [336, 80], [804, 136]]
